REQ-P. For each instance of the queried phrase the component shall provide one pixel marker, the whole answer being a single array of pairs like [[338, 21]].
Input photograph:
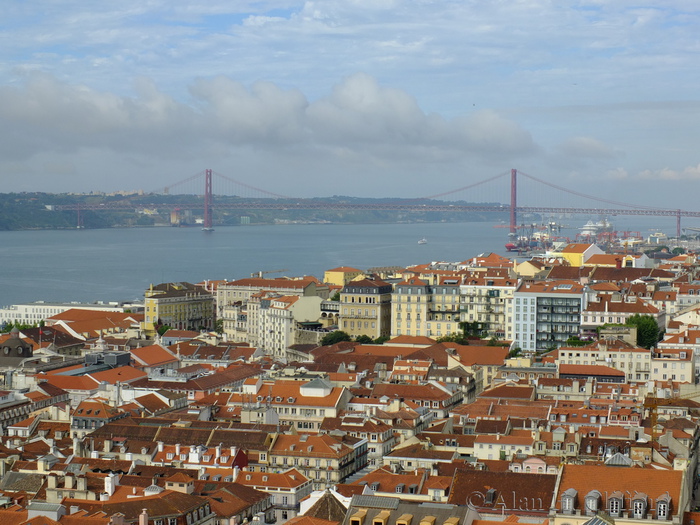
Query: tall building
[[365, 308], [546, 314]]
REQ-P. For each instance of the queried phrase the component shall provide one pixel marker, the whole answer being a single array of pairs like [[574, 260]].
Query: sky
[[366, 98]]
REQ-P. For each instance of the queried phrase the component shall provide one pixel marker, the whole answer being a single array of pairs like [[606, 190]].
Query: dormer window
[[592, 502], [663, 507], [567, 501], [639, 505], [615, 504]]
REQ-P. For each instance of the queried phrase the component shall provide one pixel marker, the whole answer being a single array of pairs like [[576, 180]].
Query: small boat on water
[[423, 241]]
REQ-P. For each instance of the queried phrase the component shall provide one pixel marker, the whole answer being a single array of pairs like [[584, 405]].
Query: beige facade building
[[183, 306], [365, 308]]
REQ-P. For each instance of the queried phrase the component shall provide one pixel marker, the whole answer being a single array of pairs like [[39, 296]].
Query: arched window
[[592, 501], [567, 501]]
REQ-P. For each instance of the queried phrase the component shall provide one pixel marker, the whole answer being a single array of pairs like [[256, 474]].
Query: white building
[[33, 313]]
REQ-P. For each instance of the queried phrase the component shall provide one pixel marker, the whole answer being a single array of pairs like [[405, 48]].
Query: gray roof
[[619, 460], [39, 505], [19, 481], [376, 502]]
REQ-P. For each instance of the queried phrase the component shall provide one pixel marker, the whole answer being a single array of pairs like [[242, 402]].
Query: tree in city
[[332, 338], [381, 339], [648, 332], [7, 327], [364, 339], [575, 340], [454, 337]]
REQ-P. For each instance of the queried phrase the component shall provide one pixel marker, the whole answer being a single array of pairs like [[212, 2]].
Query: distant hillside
[[27, 211]]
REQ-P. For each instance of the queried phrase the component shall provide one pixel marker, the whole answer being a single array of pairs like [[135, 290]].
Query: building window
[[639, 507]]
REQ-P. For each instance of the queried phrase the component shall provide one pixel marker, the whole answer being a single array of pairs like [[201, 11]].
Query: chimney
[[81, 483], [111, 482], [160, 446], [177, 449], [107, 445], [143, 517], [234, 451], [51, 479], [69, 480], [218, 450], [117, 519]]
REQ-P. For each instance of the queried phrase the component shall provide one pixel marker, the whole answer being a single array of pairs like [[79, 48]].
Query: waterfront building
[[34, 313]]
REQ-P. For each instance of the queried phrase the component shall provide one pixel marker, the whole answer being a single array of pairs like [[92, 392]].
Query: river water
[[119, 264]]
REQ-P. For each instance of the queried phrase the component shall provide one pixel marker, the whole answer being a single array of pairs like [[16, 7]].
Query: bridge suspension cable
[[463, 187], [167, 189], [587, 196], [250, 187]]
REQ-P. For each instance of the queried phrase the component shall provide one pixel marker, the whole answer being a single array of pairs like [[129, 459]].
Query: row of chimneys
[[193, 448]]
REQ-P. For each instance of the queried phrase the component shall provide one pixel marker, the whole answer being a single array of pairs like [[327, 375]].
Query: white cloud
[[587, 147], [689, 173]]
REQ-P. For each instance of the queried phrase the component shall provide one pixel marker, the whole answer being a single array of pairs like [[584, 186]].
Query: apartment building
[[286, 488], [182, 305], [546, 314], [419, 309], [274, 320], [302, 405], [633, 360], [324, 459], [232, 299], [485, 300], [627, 495], [379, 435], [365, 308], [616, 309]]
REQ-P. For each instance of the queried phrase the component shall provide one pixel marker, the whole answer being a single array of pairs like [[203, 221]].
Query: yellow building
[[578, 253], [341, 276], [182, 306], [365, 308]]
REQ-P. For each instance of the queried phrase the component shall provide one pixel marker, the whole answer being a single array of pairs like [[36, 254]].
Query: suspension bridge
[[260, 199]]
